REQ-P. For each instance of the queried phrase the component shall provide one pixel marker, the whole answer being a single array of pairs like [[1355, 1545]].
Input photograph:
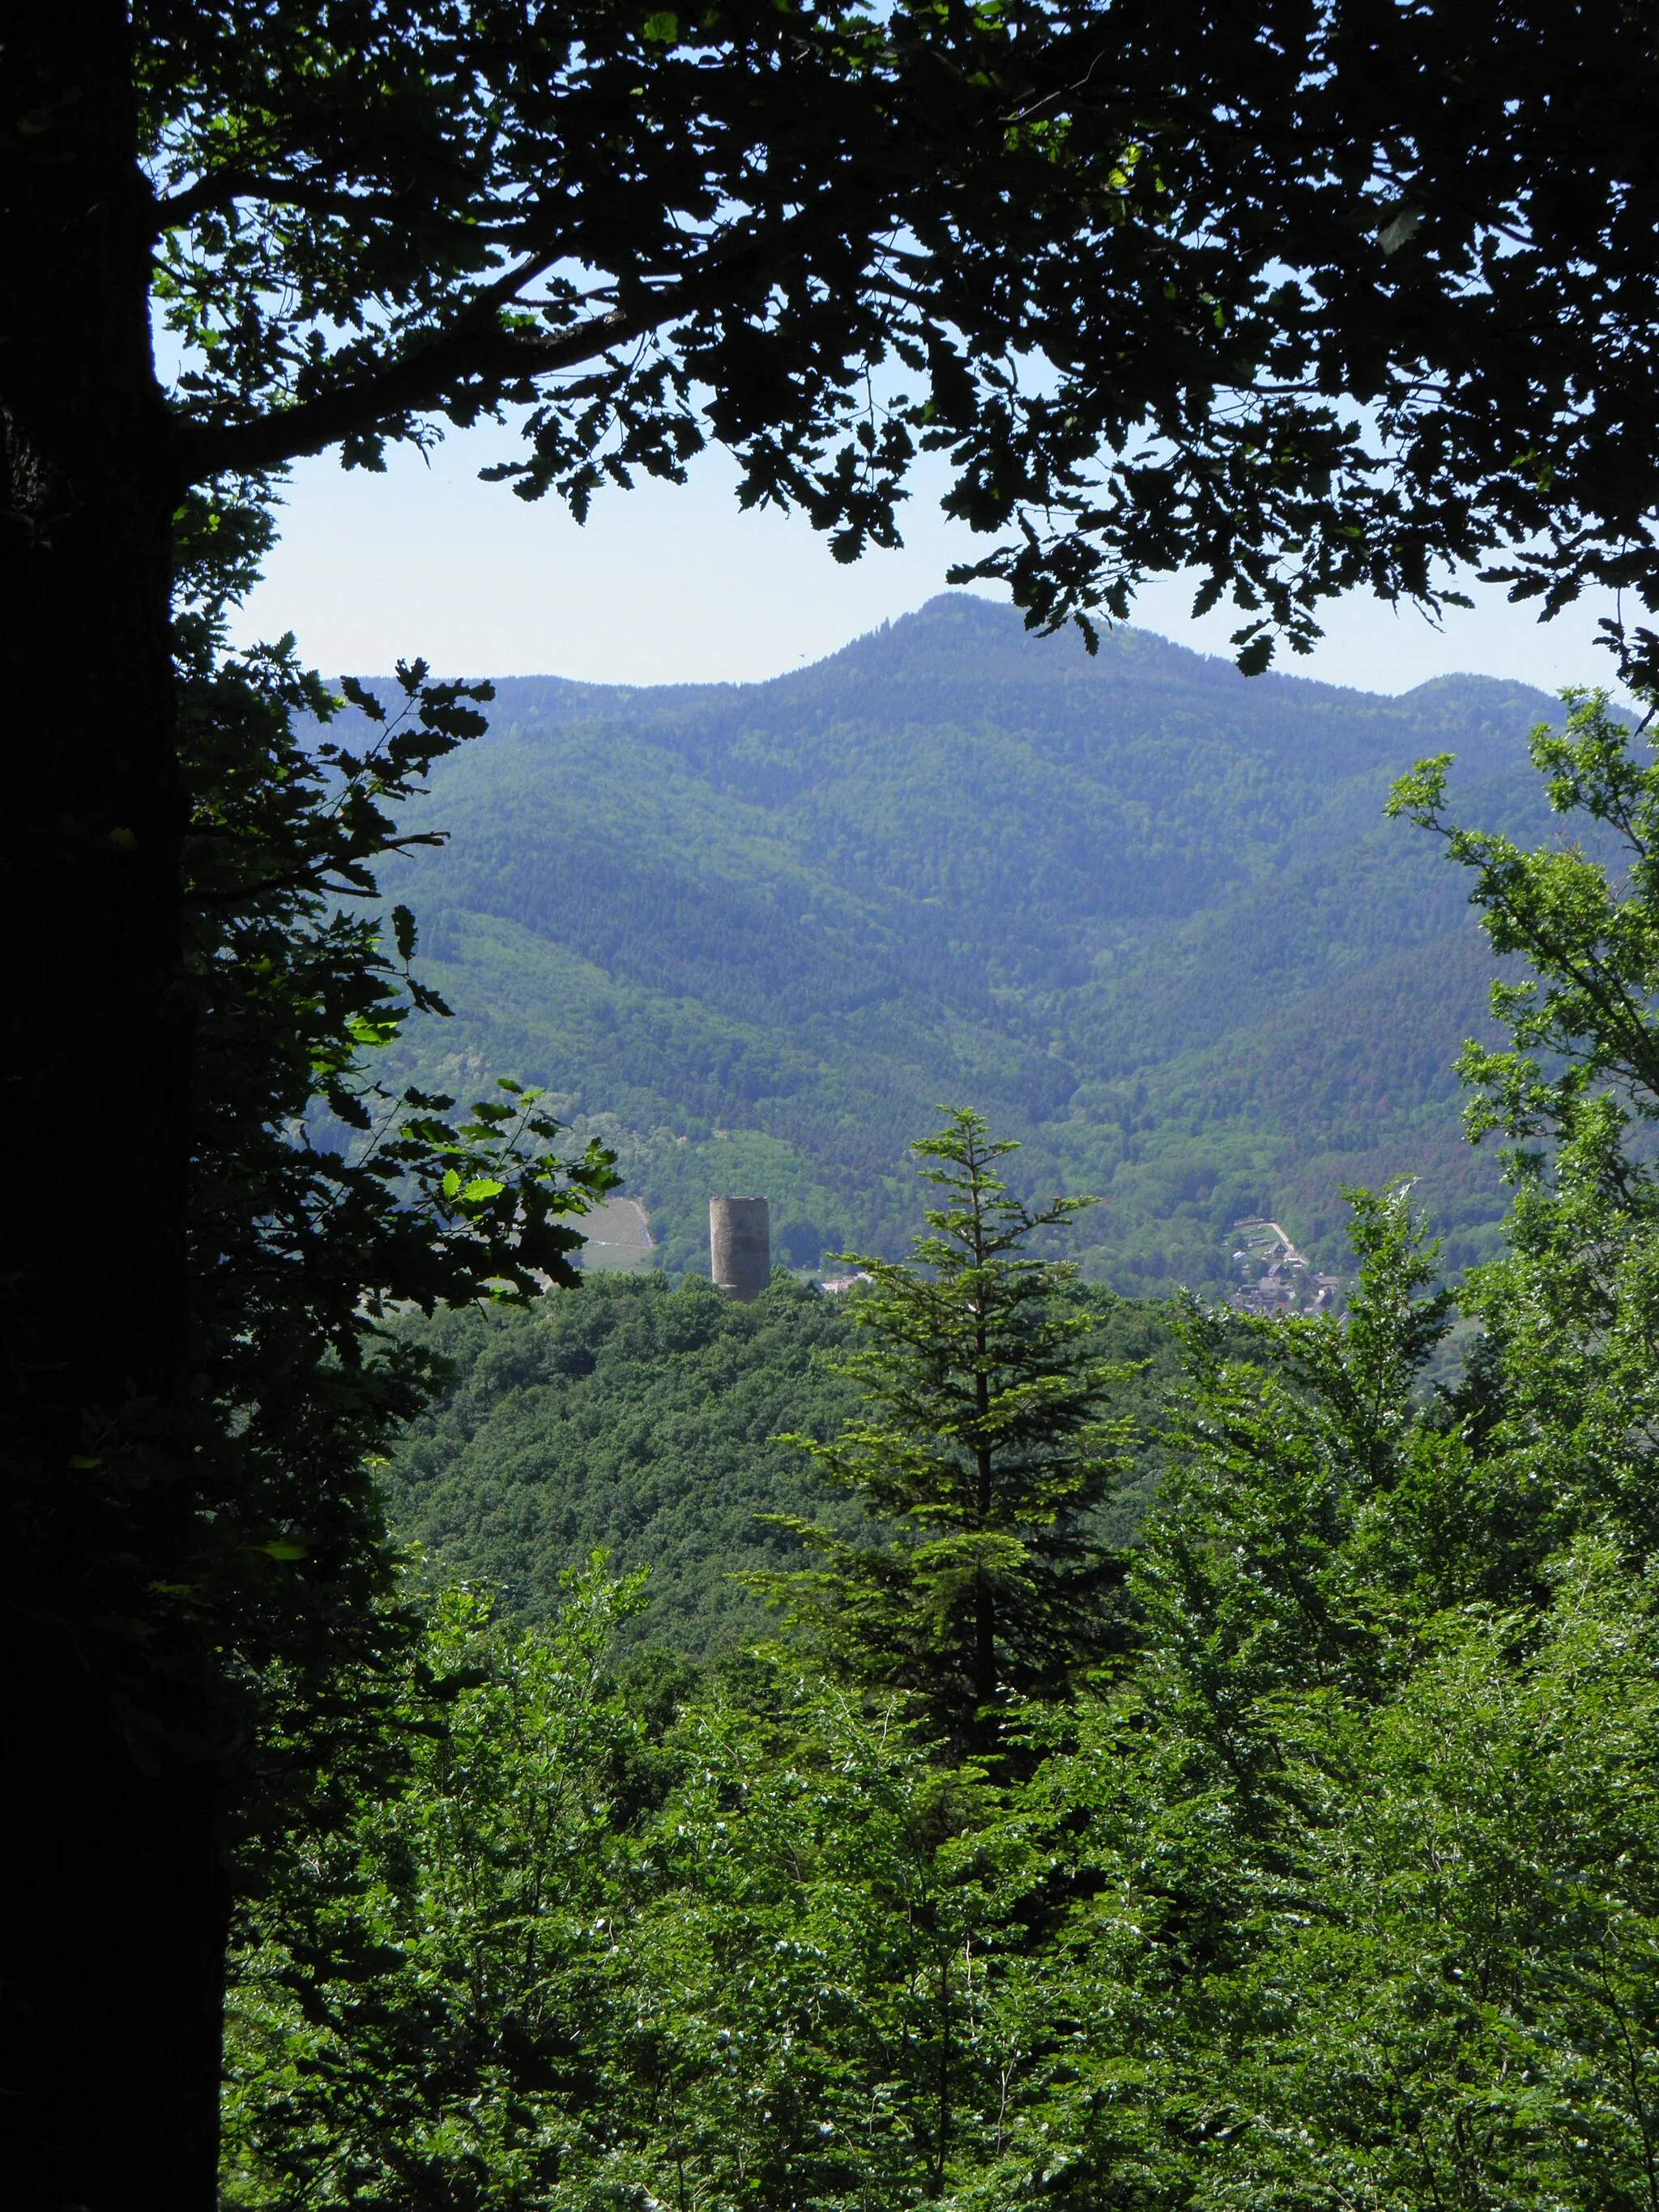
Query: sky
[[674, 584]]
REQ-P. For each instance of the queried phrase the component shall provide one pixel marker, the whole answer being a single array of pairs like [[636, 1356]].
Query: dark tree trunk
[[112, 1899], [985, 1646], [984, 1603]]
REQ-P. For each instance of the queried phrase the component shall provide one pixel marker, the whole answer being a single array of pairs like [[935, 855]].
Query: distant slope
[[1144, 911], [628, 1417], [642, 1419]]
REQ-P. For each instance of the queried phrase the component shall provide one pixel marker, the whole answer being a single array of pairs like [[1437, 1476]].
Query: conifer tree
[[986, 1447]]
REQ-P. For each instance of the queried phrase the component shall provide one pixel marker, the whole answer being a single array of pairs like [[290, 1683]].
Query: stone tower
[[740, 1245]]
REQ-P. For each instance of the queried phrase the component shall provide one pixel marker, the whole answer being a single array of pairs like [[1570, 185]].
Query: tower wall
[[740, 1245]]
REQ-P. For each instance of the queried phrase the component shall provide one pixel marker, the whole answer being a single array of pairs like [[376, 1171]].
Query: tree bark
[[114, 1899]]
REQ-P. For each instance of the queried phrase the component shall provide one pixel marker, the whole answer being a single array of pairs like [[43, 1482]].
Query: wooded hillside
[[639, 1418], [1144, 911]]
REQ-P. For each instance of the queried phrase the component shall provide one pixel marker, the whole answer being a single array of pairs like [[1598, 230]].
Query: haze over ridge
[[1144, 910]]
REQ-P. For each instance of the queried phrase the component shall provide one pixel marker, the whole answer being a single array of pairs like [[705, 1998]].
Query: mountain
[[1144, 911]]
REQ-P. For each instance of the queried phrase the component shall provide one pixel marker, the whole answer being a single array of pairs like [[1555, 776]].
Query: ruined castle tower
[[740, 1245]]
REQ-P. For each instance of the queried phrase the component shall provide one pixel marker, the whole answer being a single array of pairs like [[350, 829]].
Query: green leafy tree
[[987, 1449], [1418, 1969], [1463, 2011], [1365, 1828], [1257, 1571], [1573, 1308], [417, 2014], [827, 1969], [774, 1957], [1285, 1585]]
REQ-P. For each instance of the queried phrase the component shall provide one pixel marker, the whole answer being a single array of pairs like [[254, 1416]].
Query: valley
[[1143, 911]]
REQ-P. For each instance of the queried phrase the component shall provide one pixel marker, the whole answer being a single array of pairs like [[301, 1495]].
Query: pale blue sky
[[670, 584]]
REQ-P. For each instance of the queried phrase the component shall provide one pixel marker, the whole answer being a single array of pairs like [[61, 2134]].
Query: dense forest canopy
[[1144, 910], [1334, 1874], [643, 1420]]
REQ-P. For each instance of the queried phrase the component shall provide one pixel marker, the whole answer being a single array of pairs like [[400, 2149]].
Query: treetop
[[1303, 298]]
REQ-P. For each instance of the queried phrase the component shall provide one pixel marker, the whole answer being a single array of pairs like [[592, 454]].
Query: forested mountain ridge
[[1144, 910]]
